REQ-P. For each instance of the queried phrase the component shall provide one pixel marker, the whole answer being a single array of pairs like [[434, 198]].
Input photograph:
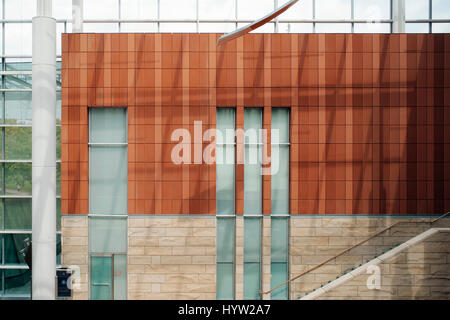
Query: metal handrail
[[341, 253]]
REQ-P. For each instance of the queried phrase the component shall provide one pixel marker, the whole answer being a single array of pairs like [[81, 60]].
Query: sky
[[18, 36]]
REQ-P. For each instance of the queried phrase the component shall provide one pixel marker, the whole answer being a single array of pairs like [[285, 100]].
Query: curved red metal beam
[[254, 25]]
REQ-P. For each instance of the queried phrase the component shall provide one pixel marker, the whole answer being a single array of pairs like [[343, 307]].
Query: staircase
[[376, 250]]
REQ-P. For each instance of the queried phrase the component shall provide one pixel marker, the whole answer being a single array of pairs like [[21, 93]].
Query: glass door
[[108, 277]]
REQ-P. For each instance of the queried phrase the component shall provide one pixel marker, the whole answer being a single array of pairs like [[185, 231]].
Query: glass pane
[[58, 214], [372, 28], [108, 180], [441, 27], [252, 240], [18, 214], [58, 178], [374, 10], [225, 281], [252, 180], [59, 32], [100, 27], [107, 235], [14, 243], [267, 28], [214, 9], [417, 28], [211, 27], [295, 28], [225, 125], [225, 240], [280, 123], [17, 282], [300, 11], [225, 180], [101, 9], [101, 278], [333, 28], [20, 9], [252, 280], [108, 125], [178, 9], [138, 27], [252, 10], [18, 178], [279, 275], [120, 277], [58, 249], [334, 9], [15, 64], [62, 9], [18, 38], [139, 9], [417, 9], [184, 27], [441, 9], [18, 81], [58, 143], [279, 239], [18, 108], [18, 143], [280, 179], [58, 108]]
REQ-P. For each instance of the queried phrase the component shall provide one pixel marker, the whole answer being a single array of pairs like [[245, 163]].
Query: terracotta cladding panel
[[368, 137]]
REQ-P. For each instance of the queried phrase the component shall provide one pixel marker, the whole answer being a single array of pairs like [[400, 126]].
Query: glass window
[[417, 9], [13, 244], [100, 27], [101, 9], [225, 258], [138, 27], [253, 10], [295, 28], [252, 167], [18, 178], [18, 214], [18, 107], [441, 27], [62, 9], [108, 180], [18, 39], [280, 161], [20, 9], [18, 64], [279, 257], [372, 28], [214, 27], [107, 235], [252, 258], [334, 9], [417, 28], [225, 168], [18, 143], [17, 282], [139, 9], [375, 10], [333, 28], [58, 143], [108, 125], [267, 28], [178, 9], [441, 9], [184, 27], [302, 10], [216, 9]]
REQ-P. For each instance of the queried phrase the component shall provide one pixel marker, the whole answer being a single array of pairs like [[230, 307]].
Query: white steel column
[[44, 153], [77, 16], [398, 16]]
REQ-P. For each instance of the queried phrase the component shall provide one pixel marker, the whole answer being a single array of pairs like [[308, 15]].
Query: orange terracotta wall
[[370, 116]]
